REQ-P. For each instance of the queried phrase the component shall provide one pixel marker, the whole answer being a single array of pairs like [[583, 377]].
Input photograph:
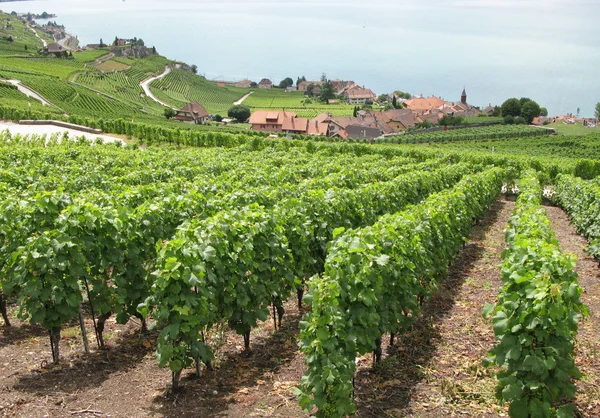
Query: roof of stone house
[[265, 81], [295, 124], [341, 133], [358, 131], [261, 117], [424, 103], [316, 127], [243, 83], [195, 109], [357, 92], [54, 47], [433, 117], [321, 117]]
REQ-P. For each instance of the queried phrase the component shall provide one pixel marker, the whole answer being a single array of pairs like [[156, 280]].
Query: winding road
[[28, 92], [146, 87]]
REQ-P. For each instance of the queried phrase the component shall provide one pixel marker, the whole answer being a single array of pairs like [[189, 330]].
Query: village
[[366, 123]]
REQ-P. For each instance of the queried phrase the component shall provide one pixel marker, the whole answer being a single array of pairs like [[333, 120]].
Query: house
[[290, 89], [273, 121], [395, 120], [55, 49], [303, 85], [489, 110], [245, 84], [121, 42], [432, 117], [424, 104], [294, 125], [192, 112], [265, 83], [359, 95], [317, 128], [349, 126]]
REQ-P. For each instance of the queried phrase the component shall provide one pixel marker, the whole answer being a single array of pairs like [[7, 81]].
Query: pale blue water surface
[[548, 50]]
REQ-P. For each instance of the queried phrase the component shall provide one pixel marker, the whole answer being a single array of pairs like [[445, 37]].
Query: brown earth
[[434, 370]]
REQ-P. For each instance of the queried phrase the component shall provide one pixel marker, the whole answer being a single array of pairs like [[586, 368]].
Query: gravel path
[[51, 129]]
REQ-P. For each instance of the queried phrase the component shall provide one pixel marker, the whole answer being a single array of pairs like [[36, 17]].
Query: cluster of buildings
[[349, 90], [367, 123]]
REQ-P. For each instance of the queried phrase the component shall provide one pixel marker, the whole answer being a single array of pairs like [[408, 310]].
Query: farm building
[[192, 112]]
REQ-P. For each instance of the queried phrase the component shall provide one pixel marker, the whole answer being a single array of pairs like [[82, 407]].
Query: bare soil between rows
[[434, 370]]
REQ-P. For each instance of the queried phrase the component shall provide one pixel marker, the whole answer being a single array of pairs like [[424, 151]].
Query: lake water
[[548, 50]]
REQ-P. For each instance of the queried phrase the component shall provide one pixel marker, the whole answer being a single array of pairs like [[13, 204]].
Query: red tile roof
[[295, 124], [357, 92]]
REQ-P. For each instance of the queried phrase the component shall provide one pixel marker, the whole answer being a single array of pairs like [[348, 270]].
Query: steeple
[[463, 96]]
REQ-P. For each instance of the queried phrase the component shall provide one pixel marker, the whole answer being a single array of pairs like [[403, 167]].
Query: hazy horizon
[[545, 50]]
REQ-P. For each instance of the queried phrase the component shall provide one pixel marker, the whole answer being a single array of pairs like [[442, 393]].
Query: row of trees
[[523, 107]]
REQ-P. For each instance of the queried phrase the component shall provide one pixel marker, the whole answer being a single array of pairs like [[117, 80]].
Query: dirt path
[[244, 97], [146, 87], [437, 367], [38, 36], [587, 355], [433, 371]]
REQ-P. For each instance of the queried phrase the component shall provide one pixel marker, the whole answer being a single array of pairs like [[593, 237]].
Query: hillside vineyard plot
[[192, 240]]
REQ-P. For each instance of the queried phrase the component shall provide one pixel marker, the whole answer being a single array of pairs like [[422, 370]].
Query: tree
[[300, 80], [497, 111], [286, 82], [523, 100], [154, 50], [448, 120], [511, 107], [323, 77], [355, 113], [597, 112], [218, 118], [394, 102], [25, 47], [530, 110], [102, 45], [140, 42], [169, 113], [253, 85], [116, 42], [520, 120], [543, 111], [509, 120], [239, 112], [578, 110], [402, 94], [382, 98], [194, 68], [10, 39], [327, 92]]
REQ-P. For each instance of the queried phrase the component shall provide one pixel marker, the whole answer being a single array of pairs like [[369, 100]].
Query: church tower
[[463, 97]]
